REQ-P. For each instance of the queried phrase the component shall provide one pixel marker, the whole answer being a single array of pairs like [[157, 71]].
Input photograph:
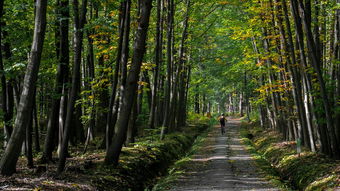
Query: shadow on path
[[229, 166]]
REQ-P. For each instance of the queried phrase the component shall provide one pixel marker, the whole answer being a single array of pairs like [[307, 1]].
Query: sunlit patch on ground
[[229, 166]]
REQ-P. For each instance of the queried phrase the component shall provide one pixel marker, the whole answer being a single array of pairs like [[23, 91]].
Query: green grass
[[182, 165], [143, 163], [307, 171], [267, 170]]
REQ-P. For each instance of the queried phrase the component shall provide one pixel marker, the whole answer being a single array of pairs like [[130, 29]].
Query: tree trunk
[[79, 21], [170, 18], [181, 110], [36, 127], [12, 152], [103, 96], [4, 89], [28, 141], [132, 129], [125, 51], [336, 55], [158, 58], [197, 102], [90, 69], [289, 53], [109, 122], [316, 63], [62, 69], [114, 150]]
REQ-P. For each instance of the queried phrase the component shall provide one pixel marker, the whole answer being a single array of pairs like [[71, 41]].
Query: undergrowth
[[181, 166], [279, 160], [149, 158]]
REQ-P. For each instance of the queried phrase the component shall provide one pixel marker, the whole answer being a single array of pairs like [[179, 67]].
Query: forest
[[93, 83]]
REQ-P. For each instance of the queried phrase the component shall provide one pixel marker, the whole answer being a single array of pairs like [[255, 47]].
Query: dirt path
[[228, 165]]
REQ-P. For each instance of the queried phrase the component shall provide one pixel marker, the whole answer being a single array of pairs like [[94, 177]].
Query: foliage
[[307, 171], [194, 118], [180, 166], [144, 161]]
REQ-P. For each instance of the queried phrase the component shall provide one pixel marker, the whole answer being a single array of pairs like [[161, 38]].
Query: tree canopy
[[104, 73]]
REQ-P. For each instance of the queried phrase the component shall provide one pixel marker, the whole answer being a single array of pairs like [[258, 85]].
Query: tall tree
[[114, 150], [4, 89], [167, 99], [79, 22], [158, 55], [317, 64], [181, 110], [12, 152], [53, 122], [124, 19]]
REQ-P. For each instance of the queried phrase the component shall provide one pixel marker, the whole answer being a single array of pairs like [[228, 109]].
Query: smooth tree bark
[[62, 69], [181, 108], [197, 101], [28, 142], [158, 55], [289, 53], [167, 99], [90, 75], [303, 64], [79, 22], [12, 152], [132, 128], [317, 64], [4, 89], [109, 122], [121, 66], [114, 151], [337, 70], [36, 127], [125, 52]]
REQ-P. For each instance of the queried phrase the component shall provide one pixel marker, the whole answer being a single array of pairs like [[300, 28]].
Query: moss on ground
[[149, 158], [182, 165], [307, 171]]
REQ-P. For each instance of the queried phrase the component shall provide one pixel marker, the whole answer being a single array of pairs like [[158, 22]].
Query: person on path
[[223, 120]]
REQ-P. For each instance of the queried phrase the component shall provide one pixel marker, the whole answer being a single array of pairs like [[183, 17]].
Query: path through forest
[[228, 166]]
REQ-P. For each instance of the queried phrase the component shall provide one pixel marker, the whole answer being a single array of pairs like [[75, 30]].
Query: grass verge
[[146, 160], [139, 164], [283, 166], [181, 166]]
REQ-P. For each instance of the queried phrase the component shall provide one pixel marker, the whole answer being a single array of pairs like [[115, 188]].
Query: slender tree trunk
[[12, 152], [289, 53], [114, 150], [132, 129], [36, 127], [197, 102], [147, 93], [109, 122], [53, 122], [170, 8], [28, 141], [91, 75], [336, 55], [125, 51], [158, 56], [181, 108], [316, 63], [103, 96], [79, 21], [187, 94], [7, 116]]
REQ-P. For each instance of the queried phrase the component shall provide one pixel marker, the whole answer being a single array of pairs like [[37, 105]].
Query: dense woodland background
[[105, 72]]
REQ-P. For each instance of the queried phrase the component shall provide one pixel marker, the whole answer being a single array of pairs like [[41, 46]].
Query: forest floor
[[224, 164], [139, 165]]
